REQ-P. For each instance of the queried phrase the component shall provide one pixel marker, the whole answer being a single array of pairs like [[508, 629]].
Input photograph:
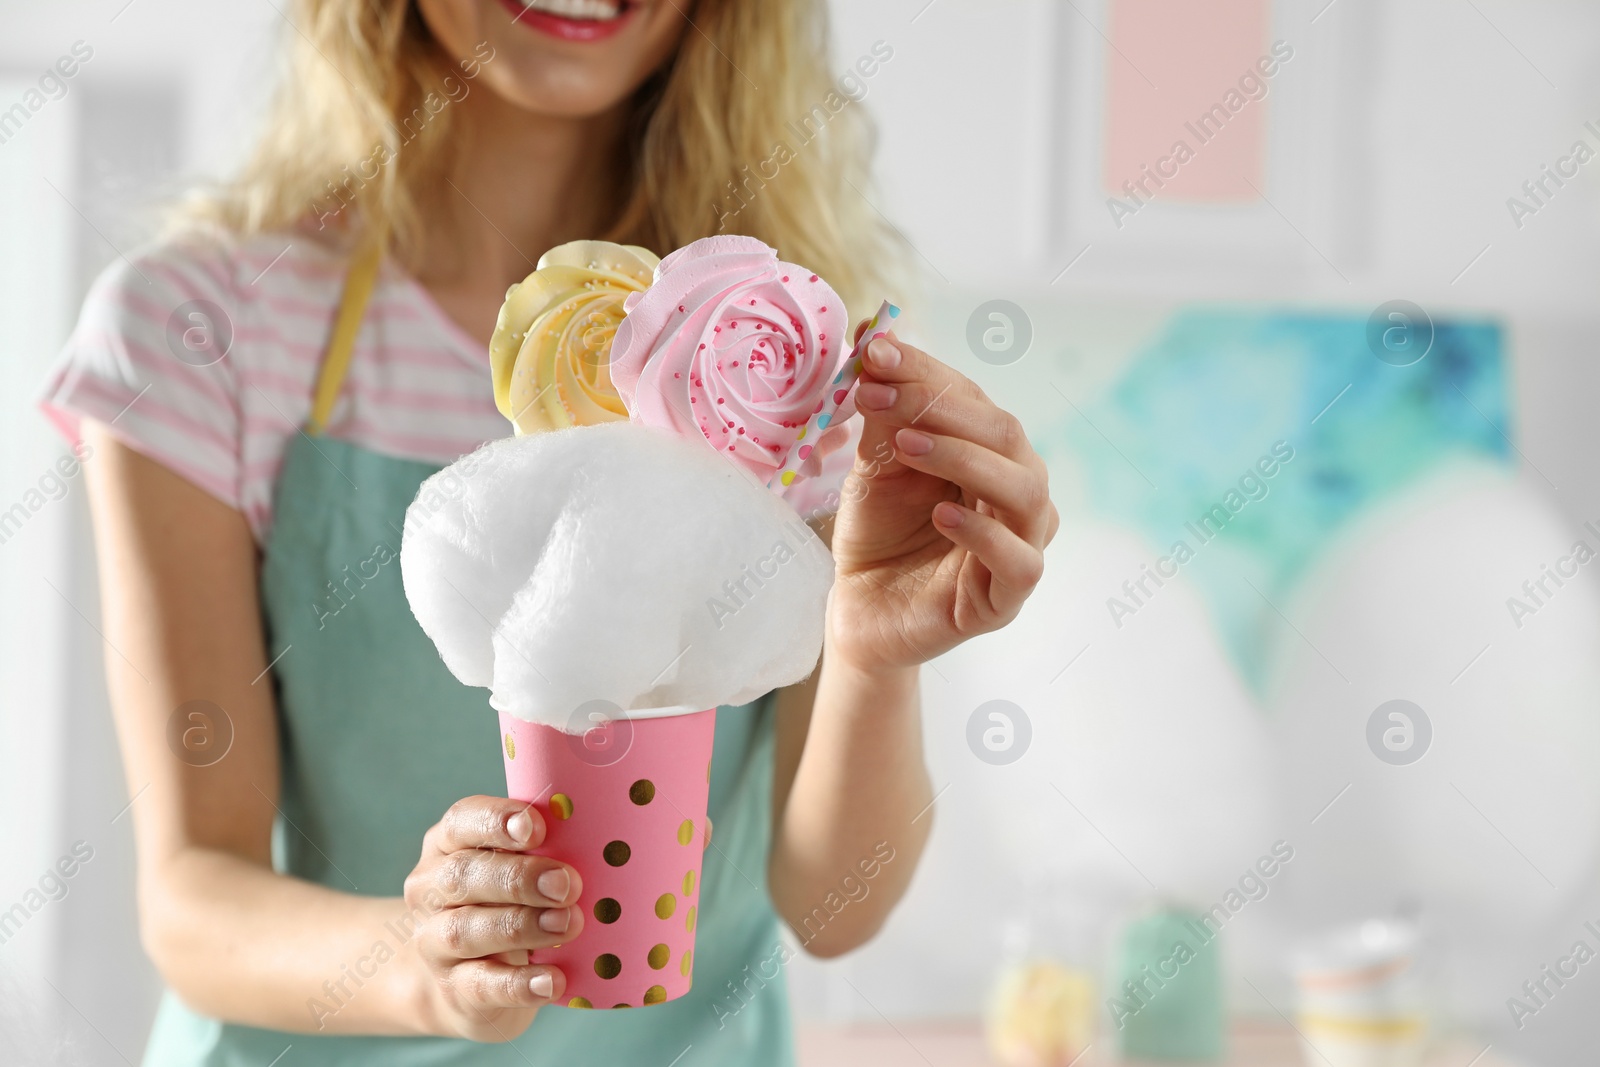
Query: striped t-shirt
[[203, 355]]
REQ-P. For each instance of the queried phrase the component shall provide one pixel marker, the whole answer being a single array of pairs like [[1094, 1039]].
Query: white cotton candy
[[614, 563]]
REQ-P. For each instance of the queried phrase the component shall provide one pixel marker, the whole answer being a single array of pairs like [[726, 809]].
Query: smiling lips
[[572, 20]]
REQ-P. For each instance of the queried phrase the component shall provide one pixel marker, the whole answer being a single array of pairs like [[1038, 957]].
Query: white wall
[[1399, 131], [165, 95], [36, 296]]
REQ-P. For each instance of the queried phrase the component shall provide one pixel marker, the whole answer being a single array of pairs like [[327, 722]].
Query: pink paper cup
[[625, 806]]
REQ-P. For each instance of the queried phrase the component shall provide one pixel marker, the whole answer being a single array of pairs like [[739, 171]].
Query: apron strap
[[359, 279]]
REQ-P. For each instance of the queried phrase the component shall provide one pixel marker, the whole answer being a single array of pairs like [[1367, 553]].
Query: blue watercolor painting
[[1196, 411]]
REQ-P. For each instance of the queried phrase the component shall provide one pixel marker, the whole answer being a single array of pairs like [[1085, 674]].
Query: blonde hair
[[352, 130]]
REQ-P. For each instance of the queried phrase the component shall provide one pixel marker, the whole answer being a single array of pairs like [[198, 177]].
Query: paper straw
[[838, 390]]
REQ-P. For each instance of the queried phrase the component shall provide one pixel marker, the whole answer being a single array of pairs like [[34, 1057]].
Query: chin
[[571, 58]]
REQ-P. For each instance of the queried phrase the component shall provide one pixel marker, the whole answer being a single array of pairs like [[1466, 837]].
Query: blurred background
[[1372, 271]]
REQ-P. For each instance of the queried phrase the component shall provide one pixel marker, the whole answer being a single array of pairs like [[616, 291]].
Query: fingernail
[[554, 883], [883, 353], [914, 442], [542, 985], [947, 514], [876, 395], [519, 827], [555, 920]]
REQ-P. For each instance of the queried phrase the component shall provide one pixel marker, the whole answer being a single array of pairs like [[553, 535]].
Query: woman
[[292, 865]]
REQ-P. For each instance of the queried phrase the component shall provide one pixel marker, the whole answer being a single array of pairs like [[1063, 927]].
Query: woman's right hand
[[481, 904]]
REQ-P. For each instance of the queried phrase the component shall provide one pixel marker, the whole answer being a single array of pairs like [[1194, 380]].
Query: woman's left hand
[[942, 530]]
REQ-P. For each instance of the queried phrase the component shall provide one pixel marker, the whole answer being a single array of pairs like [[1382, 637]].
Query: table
[[960, 1044]]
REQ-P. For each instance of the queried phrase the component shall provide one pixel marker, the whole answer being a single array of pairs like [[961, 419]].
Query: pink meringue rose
[[731, 344]]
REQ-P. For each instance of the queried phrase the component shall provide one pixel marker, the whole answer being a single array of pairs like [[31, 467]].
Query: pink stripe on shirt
[[226, 427], [135, 407], [418, 387]]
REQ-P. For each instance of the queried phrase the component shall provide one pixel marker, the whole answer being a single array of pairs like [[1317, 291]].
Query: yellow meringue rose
[[550, 355]]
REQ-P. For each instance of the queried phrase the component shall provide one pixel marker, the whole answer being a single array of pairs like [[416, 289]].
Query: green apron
[[378, 739]]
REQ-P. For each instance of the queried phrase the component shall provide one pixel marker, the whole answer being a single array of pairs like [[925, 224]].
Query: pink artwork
[[1187, 91]]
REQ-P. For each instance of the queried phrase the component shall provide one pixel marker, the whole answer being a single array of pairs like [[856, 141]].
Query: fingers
[[914, 389], [1014, 565], [488, 929], [1018, 492], [891, 360], [830, 441], [491, 984], [486, 822], [481, 876], [955, 432]]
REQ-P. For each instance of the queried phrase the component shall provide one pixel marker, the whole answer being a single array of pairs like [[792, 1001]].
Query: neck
[[521, 184]]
